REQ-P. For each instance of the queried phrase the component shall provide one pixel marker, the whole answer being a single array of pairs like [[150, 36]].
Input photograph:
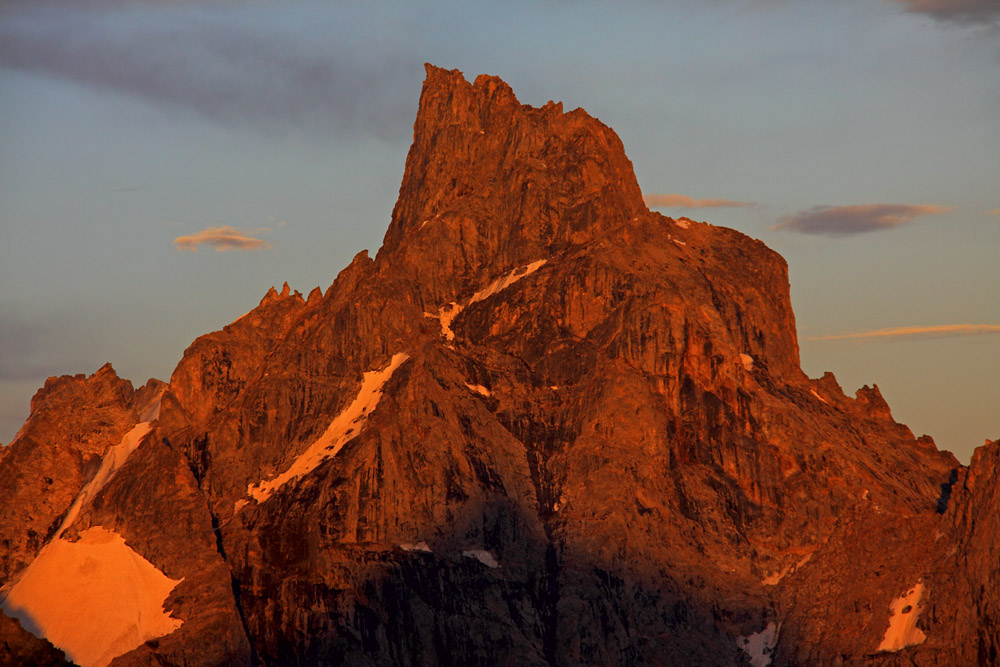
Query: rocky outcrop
[[969, 609], [491, 185], [937, 571], [543, 426], [74, 420]]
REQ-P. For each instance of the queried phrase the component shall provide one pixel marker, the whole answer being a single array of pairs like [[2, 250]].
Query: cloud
[[915, 332], [848, 220], [995, 211], [683, 201], [299, 69], [222, 239], [956, 11]]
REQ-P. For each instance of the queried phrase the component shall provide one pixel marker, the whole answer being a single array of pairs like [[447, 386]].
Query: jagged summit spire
[[488, 178], [447, 97]]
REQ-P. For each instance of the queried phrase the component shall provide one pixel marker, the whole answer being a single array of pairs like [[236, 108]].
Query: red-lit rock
[[599, 447]]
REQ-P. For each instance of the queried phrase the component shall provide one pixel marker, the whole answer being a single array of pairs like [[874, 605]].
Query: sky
[[162, 164]]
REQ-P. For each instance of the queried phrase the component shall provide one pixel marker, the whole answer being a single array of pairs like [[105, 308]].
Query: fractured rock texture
[[600, 448]]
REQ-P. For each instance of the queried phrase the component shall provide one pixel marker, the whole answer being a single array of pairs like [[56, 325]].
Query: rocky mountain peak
[[871, 398], [545, 426], [270, 297], [491, 184]]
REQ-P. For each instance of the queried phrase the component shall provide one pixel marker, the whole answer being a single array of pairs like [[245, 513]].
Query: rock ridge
[[544, 426]]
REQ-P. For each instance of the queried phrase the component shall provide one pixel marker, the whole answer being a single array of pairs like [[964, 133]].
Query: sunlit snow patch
[[113, 459], [683, 224], [903, 630], [483, 556], [760, 645], [505, 281], [345, 427], [822, 400], [96, 598], [775, 578], [419, 546], [747, 361], [447, 314], [479, 389]]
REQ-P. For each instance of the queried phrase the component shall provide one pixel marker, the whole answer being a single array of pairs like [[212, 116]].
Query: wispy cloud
[[222, 239], [995, 211], [291, 68], [683, 201], [956, 11], [915, 332], [848, 220]]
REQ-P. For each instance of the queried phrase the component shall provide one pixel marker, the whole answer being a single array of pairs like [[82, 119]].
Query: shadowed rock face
[[19, 647], [576, 433]]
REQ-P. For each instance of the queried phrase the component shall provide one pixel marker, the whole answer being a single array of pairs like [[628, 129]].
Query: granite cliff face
[[544, 426]]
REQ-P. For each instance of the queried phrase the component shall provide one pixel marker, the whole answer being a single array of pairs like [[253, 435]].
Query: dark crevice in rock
[[942, 501], [254, 658], [549, 607], [235, 585]]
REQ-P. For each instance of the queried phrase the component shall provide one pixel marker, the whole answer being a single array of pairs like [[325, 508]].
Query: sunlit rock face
[[544, 426]]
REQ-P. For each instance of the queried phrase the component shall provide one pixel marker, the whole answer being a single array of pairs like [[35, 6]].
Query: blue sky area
[[859, 138]]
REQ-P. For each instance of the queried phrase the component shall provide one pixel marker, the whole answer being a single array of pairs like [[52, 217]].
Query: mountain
[[543, 426]]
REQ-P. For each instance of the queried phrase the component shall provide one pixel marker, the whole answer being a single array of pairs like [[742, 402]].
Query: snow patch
[[903, 630], [679, 242], [683, 224], [345, 427], [447, 314], [240, 504], [760, 645], [483, 556], [96, 598], [419, 546], [113, 459], [775, 578], [152, 413], [505, 281], [822, 400], [747, 361], [479, 389]]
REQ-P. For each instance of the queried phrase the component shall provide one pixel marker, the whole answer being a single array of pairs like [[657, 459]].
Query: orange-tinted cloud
[[995, 211], [683, 201], [958, 11], [914, 332], [222, 239], [848, 220]]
